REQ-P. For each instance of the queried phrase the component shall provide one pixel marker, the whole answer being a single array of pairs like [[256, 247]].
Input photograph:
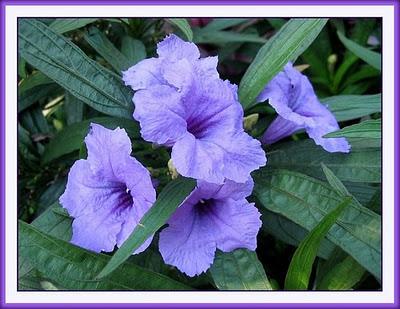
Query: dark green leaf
[[365, 129], [73, 109], [74, 268], [182, 25], [298, 274], [239, 270], [33, 80], [348, 107], [369, 56], [360, 165], [222, 23], [66, 64], [169, 199], [62, 25], [71, 138], [223, 37], [51, 195], [290, 232], [33, 95], [286, 45], [134, 50], [306, 201], [106, 49]]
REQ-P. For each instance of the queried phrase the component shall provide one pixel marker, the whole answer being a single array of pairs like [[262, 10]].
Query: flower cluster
[[181, 102]]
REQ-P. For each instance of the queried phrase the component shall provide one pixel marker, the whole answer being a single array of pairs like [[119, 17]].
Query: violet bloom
[[108, 193], [291, 94], [181, 102], [213, 216]]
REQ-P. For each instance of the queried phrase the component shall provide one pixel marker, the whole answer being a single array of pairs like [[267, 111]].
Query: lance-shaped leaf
[[66, 64], [298, 274], [286, 45], [74, 268], [239, 270], [306, 201], [167, 202], [365, 129], [183, 25], [369, 56], [62, 25]]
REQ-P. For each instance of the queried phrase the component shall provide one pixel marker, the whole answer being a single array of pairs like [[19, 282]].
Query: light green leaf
[[335, 182], [286, 45], [298, 274], [239, 270], [66, 64], [290, 232], [360, 165], [62, 25], [169, 199], [74, 268], [369, 56], [365, 129], [222, 23], [348, 107], [340, 272], [202, 36], [306, 201], [182, 25], [134, 50], [71, 138], [106, 49]]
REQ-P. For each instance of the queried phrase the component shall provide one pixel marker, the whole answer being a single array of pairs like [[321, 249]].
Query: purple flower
[[181, 102], [213, 216], [108, 193], [291, 94]]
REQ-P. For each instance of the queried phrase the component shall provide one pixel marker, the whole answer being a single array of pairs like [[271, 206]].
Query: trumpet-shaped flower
[[181, 102], [291, 94], [213, 216], [108, 193]]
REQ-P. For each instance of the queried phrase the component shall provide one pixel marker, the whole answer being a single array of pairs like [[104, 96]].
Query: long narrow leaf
[[365, 129], [298, 275], [286, 45], [169, 199], [183, 25], [66, 64]]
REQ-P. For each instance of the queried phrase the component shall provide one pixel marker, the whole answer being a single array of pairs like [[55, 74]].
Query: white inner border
[[13, 296]]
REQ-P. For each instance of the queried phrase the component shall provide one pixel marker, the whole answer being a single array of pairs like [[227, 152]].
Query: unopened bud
[[172, 170], [250, 121]]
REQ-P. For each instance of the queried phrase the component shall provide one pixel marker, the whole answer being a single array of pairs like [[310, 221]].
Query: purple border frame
[[394, 3]]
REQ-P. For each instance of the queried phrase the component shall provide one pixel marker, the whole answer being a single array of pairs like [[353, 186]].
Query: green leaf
[[38, 93], [239, 270], [222, 23], [182, 25], [290, 232], [169, 199], [365, 129], [369, 56], [51, 195], [360, 165], [286, 45], [306, 201], [335, 182], [35, 79], [298, 274], [340, 272], [106, 49], [348, 107], [71, 138], [202, 36], [134, 50], [73, 109], [67, 65], [62, 25], [74, 268]]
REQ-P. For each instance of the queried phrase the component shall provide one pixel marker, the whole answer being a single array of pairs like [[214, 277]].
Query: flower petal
[[278, 129], [187, 242], [229, 189], [329, 144], [144, 74], [160, 115], [173, 48], [235, 224], [198, 159]]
